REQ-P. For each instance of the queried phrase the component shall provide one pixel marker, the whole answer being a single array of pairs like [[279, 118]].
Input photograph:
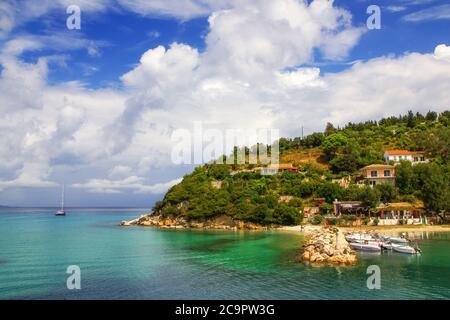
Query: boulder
[[306, 255], [322, 248]]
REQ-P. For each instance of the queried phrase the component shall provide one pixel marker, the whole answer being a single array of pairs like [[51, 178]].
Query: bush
[[287, 215], [348, 217], [376, 221], [169, 211], [318, 219], [346, 220], [365, 221], [387, 192], [332, 221]]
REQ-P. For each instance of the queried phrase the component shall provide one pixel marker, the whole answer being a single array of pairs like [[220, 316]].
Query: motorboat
[[386, 245], [367, 246], [396, 239], [405, 249], [357, 237]]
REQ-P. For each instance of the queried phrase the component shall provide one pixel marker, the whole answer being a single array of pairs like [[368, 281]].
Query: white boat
[[405, 249], [373, 247], [61, 211], [356, 237], [386, 245], [396, 239]]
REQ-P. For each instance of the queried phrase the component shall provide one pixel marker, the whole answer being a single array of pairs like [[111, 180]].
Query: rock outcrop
[[328, 246], [219, 222]]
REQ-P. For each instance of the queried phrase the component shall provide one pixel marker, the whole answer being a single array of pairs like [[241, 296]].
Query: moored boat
[[357, 237], [61, 211], [395, 239], [405, 249], [387, 245], [373, 246]]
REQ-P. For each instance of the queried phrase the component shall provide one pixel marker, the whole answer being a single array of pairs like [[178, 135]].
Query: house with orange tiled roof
[[378, 174], [404, 155], [275, 168]]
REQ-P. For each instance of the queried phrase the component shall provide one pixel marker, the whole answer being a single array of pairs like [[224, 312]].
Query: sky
[[95, 108]]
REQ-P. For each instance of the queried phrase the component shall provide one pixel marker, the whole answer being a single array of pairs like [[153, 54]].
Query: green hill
[[322, 157]]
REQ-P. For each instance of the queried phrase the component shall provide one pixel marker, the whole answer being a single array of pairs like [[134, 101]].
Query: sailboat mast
[[62, 198]]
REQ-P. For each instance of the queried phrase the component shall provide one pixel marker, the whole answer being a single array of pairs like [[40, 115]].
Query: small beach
[[398, 228]]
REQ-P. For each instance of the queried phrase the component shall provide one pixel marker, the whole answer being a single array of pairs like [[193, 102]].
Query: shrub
[[332, 221], [318, 219], [348, 217], [365, 221]]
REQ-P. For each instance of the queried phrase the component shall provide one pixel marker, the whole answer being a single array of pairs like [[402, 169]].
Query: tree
[[330, 191], [332, 143], [262, 214], [287, 215], [329, 129], [410, 119], [370, 197], [313, 140], [405, 177], [431, 116], [349, 160], [435, 189], [387, 192], [218, 171]]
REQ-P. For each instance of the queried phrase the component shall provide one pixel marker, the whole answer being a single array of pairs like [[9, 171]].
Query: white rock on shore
[[328, 246], [219, 222]]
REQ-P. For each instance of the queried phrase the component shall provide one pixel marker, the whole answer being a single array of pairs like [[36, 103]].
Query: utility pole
[[302, 132]]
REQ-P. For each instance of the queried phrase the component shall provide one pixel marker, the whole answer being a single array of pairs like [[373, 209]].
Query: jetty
[[328, 246]]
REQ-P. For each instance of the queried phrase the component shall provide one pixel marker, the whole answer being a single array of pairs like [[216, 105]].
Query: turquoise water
[[144, 263]]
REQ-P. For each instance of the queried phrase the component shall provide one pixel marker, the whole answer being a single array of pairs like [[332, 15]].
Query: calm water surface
[[144, 263]]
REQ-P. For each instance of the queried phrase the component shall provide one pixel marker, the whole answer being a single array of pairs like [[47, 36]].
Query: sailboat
[[61, 211]]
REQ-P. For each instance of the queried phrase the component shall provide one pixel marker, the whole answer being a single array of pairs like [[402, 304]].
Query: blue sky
[[124, 35], [95, 107]]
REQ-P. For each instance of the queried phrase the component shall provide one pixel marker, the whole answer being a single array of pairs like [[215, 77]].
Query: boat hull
[[60, 213], [365, 247], [405, 249]]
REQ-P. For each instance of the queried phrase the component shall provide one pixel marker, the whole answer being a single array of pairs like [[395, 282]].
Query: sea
[[40, 251]]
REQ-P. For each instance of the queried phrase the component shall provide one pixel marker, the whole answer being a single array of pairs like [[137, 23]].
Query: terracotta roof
[[379, 166], [402, 152]]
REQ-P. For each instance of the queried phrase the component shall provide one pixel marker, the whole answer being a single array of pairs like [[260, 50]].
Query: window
[[416, 159], [374, 173], [422, 158], [387, 173]]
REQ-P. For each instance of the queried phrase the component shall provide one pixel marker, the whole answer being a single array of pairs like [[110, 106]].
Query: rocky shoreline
[[323, 246], [328, 246], [222, 222]]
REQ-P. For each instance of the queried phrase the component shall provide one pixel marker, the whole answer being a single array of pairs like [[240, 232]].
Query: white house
[[404, 155]]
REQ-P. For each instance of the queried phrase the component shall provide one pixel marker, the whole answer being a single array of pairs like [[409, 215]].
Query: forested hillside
[[216, 189]]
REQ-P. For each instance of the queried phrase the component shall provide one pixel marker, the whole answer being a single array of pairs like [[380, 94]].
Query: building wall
[[375, 181], [411, 158], [380, 173]]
